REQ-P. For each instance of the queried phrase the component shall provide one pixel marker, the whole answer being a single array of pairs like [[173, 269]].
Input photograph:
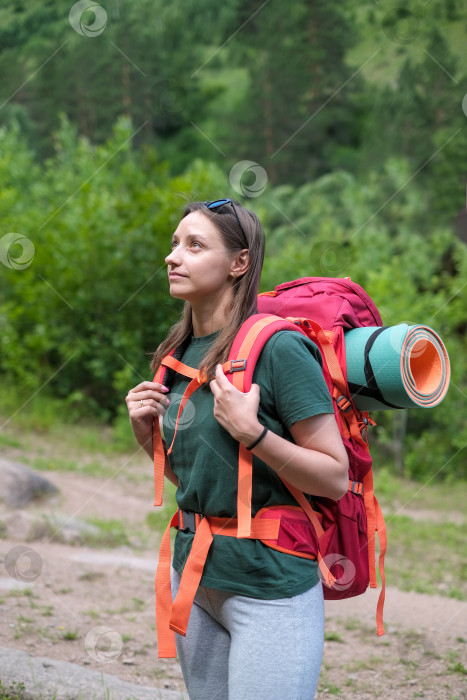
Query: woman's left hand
[[236, 412]]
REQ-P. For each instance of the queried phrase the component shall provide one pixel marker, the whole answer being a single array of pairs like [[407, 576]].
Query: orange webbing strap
[[192, 386], [173, 617], [158, 447], [191, 577], [159, 454], [335, 370], [247, 344], [381, 528], [369, 501], [165, 637], [159, 461], [245, 460], [299, 496], [337, 376], [244, 490], [261, 529], [179, 367]]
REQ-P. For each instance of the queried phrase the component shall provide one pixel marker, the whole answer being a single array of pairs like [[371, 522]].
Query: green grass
[[333, 637], [93, 468], [47, 416], [70, 635], [458, 668], [426, 557], [394, 493], [16, 593], [6, 441], [13, 692], [112, 533]]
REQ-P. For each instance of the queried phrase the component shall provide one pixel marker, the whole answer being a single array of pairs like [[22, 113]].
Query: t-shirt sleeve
[[297, 382]]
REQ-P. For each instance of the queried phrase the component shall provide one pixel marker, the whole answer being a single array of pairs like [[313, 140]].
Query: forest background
[[343, 125]]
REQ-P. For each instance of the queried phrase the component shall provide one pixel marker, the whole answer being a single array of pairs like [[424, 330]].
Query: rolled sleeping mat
[[396, 367]]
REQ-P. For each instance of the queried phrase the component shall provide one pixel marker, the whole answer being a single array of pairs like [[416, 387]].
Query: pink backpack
[[340, 535], [324, 308]]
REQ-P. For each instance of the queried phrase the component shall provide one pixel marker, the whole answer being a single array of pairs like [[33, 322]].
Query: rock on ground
[[20, 485], [44, 678]]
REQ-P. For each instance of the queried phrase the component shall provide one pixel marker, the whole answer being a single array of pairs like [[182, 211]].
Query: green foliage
[[377, 234], [368, 102], [303, 88], [82, 315]]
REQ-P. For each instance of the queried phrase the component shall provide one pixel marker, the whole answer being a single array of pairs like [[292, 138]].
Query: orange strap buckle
[[344, 403]]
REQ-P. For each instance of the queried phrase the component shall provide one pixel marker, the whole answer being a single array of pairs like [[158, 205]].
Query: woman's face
[[199, 265]]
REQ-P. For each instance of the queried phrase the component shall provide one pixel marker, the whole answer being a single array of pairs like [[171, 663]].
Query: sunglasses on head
[[220, 203]]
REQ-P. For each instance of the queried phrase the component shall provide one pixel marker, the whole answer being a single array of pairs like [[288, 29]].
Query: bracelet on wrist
[[253, 444]]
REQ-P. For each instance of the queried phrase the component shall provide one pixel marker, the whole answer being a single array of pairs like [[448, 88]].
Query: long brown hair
[[245, 287]]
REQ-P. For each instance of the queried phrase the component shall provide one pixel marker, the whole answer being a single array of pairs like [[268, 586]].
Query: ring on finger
[[141, 402]]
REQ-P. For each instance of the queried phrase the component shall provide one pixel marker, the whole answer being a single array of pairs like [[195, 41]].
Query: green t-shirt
[[205, 459]]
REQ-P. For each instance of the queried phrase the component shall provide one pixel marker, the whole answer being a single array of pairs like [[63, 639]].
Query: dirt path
[[95, 607]]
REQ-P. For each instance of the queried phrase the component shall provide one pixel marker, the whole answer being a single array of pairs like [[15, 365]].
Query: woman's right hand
[[145, 403]]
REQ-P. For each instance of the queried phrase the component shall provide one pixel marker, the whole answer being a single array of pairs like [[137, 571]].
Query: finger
[[149, 386], [147, 396], [255, 389], [220, 376], [214, 386], [142, 413], [162, 402]]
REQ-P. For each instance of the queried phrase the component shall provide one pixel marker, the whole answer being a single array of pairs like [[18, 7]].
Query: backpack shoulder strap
[[239, 368], [169, 362], [248, 344]]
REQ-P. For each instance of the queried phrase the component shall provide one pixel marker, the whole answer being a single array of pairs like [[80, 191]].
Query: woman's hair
[[245, 287]]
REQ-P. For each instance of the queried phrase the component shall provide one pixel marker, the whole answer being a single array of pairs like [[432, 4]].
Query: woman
[[256, 626]]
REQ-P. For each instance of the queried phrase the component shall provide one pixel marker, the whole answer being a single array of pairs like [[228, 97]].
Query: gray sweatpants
[[242, 648]]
